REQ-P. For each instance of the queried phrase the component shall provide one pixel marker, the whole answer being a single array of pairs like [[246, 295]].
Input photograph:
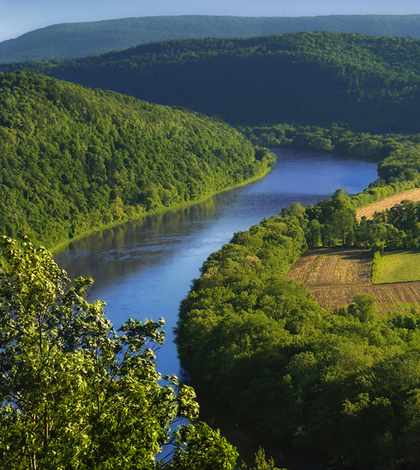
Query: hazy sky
[[20, 16]]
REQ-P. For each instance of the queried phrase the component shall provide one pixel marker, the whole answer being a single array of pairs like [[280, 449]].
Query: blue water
[[143, 269]]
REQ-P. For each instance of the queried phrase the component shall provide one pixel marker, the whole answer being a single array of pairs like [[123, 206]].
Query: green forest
[[366, 82], [314, 388], [75, 40], [74, 160], [327, 389]]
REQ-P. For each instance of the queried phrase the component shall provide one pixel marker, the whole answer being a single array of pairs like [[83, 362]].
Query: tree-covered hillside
[[333, 389], [74, 159], [370, 83], [328, 389], [72, 40]]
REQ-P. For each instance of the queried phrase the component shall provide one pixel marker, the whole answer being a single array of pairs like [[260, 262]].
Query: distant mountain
[[73, 40], [370, 83]]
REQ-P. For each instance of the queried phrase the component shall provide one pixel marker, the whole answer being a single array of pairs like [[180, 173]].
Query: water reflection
[[144, 268]]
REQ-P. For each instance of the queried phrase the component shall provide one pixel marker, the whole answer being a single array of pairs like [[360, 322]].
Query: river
[[144, 268]]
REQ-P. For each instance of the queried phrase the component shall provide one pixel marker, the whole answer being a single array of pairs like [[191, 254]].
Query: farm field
[[369, 210], [334, 276], [401, 266]]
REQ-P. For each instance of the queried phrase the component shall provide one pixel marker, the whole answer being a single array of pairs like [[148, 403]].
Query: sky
[[21, 16]]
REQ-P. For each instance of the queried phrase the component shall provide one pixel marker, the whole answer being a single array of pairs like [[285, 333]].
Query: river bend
[[144, 268]]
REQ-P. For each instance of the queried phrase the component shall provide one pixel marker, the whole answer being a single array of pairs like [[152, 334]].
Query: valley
[[223, 182]]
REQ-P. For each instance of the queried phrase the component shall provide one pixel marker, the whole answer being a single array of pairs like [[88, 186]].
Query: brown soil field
[[334, 276], [368, 211]]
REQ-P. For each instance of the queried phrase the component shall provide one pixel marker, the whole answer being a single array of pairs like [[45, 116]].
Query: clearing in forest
[[334, 276], [379, 206], [401, 266]]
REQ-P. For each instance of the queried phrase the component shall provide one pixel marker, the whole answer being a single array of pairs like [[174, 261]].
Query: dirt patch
[[389, 297], [335, 276], [368, 211], [332, 266]]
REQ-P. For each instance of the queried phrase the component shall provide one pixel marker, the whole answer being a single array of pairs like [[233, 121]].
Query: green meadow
[[401, 266]]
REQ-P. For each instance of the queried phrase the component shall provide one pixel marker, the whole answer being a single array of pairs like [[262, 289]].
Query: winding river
[[144, 268]]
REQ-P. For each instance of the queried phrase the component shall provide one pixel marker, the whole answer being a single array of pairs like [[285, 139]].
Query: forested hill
[[75, 159], [72, 40], [370, 83]]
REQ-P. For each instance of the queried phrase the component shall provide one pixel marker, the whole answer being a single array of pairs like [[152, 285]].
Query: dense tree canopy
[[341, 387], [330, 389], [74, 159], [368, 82]]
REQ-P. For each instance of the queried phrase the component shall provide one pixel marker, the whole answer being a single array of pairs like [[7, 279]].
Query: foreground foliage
[[76, 394]]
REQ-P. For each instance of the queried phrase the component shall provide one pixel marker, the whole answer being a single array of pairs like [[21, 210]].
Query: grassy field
[[335, 276], [401, 266], [369, 210]]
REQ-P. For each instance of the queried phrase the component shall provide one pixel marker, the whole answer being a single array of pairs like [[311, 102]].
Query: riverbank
[[62, 246]]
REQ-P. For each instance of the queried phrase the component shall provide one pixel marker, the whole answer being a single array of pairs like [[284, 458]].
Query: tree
[[313, 233], [363, 307], [344, 224], [261, 463], [75, 393]]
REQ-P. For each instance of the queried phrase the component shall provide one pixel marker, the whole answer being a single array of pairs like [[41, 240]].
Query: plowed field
[[334, 276], [368, 211]]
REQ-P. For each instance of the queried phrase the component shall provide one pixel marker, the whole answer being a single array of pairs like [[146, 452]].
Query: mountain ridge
[[368, 82], [76, 40]]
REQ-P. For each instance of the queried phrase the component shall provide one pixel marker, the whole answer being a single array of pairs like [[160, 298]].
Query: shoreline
[[62, 246]]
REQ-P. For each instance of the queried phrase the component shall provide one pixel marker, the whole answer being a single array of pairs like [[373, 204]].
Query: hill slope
[[74, 159], [318, 78], [335, 389], [72, 40]]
